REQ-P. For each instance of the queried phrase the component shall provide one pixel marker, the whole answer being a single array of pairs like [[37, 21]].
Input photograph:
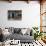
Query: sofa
[[22, 34]]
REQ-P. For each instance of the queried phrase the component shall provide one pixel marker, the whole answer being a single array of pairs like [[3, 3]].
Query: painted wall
[[30, 14]]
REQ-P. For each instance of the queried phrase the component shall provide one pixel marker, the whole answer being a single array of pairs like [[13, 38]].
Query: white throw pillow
[[5, 32], [23, 31]]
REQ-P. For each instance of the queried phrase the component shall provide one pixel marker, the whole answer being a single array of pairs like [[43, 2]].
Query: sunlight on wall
[[30, 14]]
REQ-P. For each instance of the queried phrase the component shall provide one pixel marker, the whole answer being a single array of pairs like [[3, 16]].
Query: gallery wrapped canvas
[[14, 14]]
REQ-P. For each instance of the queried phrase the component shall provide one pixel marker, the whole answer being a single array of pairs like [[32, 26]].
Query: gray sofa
[[22, 38], [17, 35]]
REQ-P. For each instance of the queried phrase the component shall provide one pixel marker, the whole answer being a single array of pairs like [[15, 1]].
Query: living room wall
[[30, 14]]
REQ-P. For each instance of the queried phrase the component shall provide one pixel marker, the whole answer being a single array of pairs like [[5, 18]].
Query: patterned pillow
[[17, 30]]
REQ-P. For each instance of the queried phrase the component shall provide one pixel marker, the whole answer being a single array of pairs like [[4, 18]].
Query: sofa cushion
[[17, 30], [23, 31], [11, 30]]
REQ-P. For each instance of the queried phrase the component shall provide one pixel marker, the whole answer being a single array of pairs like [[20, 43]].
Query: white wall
[[30, 14]]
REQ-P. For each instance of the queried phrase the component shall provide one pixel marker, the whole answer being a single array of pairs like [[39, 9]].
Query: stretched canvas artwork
[[14, 14]]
